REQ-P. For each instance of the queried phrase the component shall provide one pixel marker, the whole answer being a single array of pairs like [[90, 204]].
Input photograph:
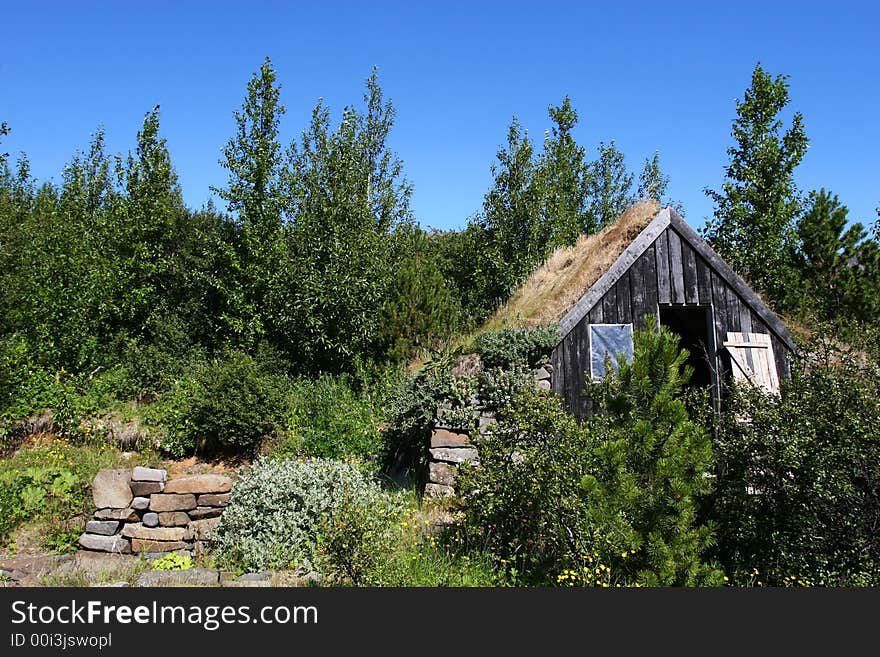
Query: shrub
[[509, 346], [799, 480], [173, 561], [226, 407], [328, 419], [621, 489], [277, 509], [358, 535], [52, 482]]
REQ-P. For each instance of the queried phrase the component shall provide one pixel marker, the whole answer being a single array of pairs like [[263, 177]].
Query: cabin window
[[609, 340]]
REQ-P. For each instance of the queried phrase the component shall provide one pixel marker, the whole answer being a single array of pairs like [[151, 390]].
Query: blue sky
[[650, 75]]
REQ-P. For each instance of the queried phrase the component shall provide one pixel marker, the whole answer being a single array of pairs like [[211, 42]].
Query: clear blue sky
[[650, 75]]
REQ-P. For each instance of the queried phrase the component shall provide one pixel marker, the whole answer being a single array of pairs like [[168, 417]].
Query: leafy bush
[[799, 480], [227, 406], [277, 509], [51, 482], [173, 561], [358, 535], [328, 419], [621, 489], [509, 346]]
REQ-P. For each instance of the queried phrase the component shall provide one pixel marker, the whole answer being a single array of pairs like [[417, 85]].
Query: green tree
[[610, 186], [510, 224], [254, 156], [759, 201], [254, 159], [565, 178], [837, 265], [347, 194]]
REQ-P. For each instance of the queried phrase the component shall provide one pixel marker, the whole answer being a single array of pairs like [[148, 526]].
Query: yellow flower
[[623, 554]]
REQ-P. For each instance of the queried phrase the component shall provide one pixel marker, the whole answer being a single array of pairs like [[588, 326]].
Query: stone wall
[[140, 510], [453, 443]]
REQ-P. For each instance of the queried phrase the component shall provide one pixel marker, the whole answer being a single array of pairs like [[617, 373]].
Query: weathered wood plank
[[689, 262], [638, 246], [596, 315], [573, 380], [609, 306], [581, 403], [719, 303], [557, 378], [661, 267], [704, 281], [723, 269], [624, 301], [676, 267], [733, 314], [650, 292], [637, 289], [745, 316]]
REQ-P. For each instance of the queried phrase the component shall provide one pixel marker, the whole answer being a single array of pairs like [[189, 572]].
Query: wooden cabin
[[669, 272]]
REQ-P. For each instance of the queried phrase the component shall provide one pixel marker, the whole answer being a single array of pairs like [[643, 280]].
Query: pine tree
[[759, 201], [651, 465], [610, 186], [836, 264]]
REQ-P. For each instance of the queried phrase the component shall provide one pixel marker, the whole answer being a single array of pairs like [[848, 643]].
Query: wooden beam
[[733, 279], [624, 261]]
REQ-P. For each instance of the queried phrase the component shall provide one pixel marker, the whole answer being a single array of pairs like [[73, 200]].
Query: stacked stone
[[451, 445], [449, 448], [141, 510]]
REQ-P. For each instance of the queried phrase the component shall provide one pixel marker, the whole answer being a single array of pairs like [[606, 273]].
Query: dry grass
[[553, 288]]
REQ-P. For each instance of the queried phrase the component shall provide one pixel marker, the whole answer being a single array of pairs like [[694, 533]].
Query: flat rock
[[213, 499], [202, 530], [205, 512], [137, 530], [198, 484], [446, 438], [171, 502], [148, 474], [143, 545], [441, 473], [144, 488], [111, 488], [102, 527], [188, 577], [173, 519], [543, 385], [115, 544], [116, 514], [453, 455], [140, 503], [150, 519], [439, 490], [542, 374]]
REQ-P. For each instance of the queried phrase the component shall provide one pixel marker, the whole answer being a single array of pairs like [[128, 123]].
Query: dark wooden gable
[[667, 265]]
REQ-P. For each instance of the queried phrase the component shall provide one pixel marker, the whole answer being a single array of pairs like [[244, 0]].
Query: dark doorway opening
[[694, 325]]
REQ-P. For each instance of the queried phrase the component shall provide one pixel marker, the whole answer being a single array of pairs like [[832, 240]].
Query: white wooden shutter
[[752, 360]]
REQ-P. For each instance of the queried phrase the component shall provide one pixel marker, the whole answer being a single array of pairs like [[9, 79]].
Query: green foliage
[[277, 509], [50, 482], [838, 267], [421, 309], [759, 201], [509, 346], [622, 488], [329, 419], [227, 406], [173, 561], [798, 480], [358, 534], [610, 188]]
